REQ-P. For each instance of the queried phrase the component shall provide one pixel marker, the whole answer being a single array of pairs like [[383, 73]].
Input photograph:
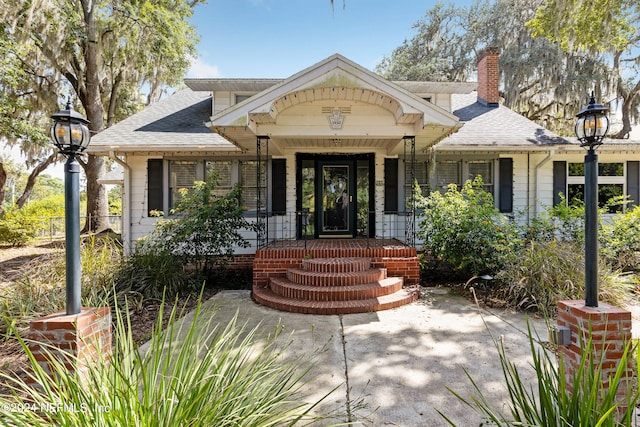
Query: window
[[447, 172], [249, 181], [222, 171], [610, 184], [182, 175], [450, 172], [484, 169], [421, 175]]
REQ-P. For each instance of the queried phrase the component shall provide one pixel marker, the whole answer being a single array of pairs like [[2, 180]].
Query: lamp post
[[70, 135], [591, 127]]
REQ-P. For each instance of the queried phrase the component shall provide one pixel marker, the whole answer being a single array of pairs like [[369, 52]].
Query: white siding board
[[520, 179]]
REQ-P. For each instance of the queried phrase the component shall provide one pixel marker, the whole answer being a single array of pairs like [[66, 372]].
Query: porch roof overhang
[[295, 113]]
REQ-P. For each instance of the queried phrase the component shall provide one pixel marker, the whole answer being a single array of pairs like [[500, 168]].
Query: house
[[328, 157]]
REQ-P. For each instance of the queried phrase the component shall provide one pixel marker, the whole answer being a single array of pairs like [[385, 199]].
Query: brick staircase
[[334, 286]]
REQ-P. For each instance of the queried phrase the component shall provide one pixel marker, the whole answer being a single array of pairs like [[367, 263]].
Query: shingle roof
[[498, 127], [177, 124], [174, 123]]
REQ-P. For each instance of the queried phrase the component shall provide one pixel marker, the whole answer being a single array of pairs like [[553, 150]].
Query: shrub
[[206, 227], [18, 227], [563, 222], [620, 240], [463, 229], [203, 374], [16, 231], [552, 403]]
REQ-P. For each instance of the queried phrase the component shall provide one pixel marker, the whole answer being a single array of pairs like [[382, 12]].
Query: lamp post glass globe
[[592, 124], [69, 131]]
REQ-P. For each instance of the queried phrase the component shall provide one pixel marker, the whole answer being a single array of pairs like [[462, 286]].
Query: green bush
[[552, 403], [563, 222], [206, 227], [18, 227], [201, 373], [620, 240], [16, 231], [463, 229]]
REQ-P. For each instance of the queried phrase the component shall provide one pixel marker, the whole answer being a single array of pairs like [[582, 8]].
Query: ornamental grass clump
[[551, 403], [39, 290], [548, 271], [200, 373]]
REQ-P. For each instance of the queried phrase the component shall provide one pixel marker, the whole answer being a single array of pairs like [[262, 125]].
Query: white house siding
[[222, 101], [379, 191], [141, 224], [521, 178], [442, 100]]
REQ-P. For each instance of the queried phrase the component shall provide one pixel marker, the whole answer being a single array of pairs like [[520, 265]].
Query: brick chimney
[[489, 77]]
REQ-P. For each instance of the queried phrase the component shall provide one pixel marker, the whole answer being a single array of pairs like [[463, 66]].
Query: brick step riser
[[295, 291], [269, 299], [312, 278], [336, 265]]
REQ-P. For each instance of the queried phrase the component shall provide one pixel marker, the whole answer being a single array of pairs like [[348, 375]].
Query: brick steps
[[270, 299], [289, 289], [312, 278], [334, 286]]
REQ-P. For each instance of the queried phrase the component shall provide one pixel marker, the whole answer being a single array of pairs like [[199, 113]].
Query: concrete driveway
[[392, 368]]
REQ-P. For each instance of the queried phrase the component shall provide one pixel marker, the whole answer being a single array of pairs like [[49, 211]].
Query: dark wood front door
[[335, 193]]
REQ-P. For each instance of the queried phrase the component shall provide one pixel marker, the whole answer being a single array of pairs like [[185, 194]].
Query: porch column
[[410, 171], [262, 235]]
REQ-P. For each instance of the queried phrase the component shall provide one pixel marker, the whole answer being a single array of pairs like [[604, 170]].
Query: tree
[[11, 174], [103, 51], [611, 31], [539, 79], [23, 89], [440, 51]]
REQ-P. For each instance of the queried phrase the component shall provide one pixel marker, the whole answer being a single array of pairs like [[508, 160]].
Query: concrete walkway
[[391, 368]]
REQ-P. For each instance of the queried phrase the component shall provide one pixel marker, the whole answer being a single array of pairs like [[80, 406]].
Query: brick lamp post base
[[609, 328], [75, 340]]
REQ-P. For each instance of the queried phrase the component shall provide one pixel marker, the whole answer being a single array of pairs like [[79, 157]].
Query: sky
[[278, 38]]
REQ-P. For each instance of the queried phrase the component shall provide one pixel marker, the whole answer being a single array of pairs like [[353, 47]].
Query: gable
[[334, 84]]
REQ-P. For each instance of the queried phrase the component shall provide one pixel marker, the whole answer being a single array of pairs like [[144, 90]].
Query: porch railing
[[297, 228]]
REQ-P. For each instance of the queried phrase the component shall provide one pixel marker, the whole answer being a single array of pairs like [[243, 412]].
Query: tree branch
[[31, 181]]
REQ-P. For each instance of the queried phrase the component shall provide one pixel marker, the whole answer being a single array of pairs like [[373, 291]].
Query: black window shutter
[[154, 185], [279, 186], [391, 185], [559, 181], [633, 182], [505, 194]]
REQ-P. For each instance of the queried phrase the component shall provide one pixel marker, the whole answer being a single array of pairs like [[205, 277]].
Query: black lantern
[[592, 124], [70, 134], [591, 128], [69, 131]]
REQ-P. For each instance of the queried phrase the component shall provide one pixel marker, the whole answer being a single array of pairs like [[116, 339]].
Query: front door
[[335, 195], [336, 206]]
